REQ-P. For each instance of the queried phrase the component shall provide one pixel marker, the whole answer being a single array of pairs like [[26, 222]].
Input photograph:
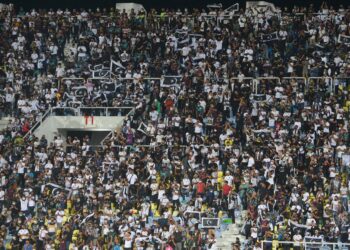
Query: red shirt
[[226, 189], [200, 188], [25, 127], [168, 104]]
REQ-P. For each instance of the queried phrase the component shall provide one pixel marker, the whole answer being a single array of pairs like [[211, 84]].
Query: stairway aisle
[[4, 122], [230, 235]]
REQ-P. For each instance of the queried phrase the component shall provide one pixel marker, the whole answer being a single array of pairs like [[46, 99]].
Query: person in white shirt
[[128, 242], [229, 178], [53, 49], [23, 233], [31, 204], [132, 178], [59, 217], [24, 204], [60, 71], [198, 128], [2, 198], [42, 237], [154, 115]]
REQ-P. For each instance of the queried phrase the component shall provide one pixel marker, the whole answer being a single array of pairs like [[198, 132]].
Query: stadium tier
[[222, 128]]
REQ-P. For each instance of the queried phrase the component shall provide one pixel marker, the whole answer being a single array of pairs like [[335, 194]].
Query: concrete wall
[[52, 124]]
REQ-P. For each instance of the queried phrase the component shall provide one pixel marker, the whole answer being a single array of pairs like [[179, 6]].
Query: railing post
[[255, 86], [332, 87]]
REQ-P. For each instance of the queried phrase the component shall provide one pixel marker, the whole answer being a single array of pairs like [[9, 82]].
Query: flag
[[269, 37], [80, 91], [344, 39], [232, 9], [142, 128], [170, 81], [182, 37]]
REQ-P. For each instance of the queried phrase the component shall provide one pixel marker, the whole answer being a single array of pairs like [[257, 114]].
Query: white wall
[[50, 126]]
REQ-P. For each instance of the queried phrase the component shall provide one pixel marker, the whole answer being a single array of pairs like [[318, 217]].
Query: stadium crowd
[[210, 143]]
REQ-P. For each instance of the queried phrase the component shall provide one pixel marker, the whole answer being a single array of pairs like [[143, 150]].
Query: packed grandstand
[[238, 115]]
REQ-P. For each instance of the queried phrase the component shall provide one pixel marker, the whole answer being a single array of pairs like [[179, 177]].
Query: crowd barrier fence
[[306, 245], [304, 79], [317, 79]]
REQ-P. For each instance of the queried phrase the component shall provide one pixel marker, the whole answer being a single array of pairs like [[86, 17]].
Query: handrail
[[321, 78], [77, 111], [339, 80], [253, 81], [255, 84], [37, 124], [322, 243], [104, 139], [112, 132], [156, 146], [297, 78], [258, 79], [99, 78]]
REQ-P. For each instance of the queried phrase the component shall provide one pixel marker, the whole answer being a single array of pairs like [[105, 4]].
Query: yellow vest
[[274, 244], [220, 177]]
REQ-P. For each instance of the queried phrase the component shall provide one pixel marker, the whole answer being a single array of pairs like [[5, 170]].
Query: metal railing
[[183, 148], [251, 80], [38, 123], [306, 245], [341, 81], [92, 111], [297, 79], [323, 78], [258, 79]]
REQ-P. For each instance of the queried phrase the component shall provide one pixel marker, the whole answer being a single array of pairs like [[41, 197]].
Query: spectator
[[216, 141]]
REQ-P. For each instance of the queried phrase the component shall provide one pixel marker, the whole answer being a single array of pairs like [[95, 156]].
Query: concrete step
[[230, 235], [4, 122]]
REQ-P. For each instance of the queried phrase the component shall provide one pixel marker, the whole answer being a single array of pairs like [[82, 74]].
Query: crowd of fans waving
[[211, 143]]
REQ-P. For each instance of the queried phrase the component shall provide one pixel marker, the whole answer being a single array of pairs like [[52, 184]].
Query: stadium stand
[[238, 136]]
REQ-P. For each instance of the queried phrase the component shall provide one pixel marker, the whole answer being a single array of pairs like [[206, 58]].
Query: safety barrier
[[251, 80], [298, 80], [168, 146], [254, 83], [38, 123], [107, 84], [307, 245], [341, 83], [130, 148], [328, 81], [259, 79], [95, 111]]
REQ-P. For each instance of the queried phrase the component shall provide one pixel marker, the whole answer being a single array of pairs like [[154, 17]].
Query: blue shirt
[[28, 247]]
